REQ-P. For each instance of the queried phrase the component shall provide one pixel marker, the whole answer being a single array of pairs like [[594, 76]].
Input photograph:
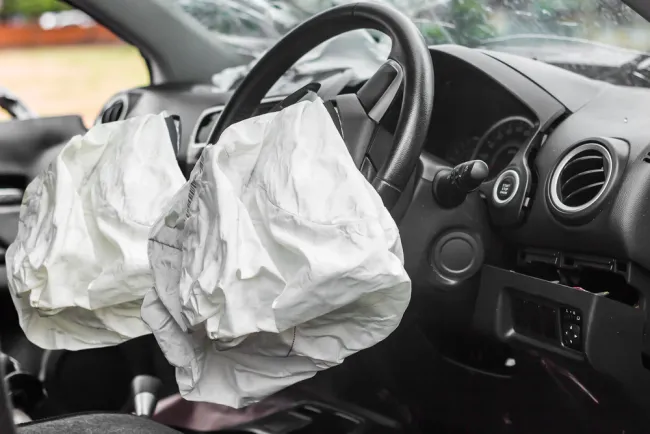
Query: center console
[[546, 321], [568, 323], [312, 417]]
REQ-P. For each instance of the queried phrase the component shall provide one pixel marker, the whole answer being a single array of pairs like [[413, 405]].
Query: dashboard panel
[[501, 143], [476, 117], [523, 117]]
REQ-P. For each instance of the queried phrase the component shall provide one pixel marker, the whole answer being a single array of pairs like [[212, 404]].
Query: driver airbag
[[276, 260]]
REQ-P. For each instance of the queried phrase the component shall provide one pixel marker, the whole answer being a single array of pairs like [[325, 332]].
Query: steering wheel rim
[[409, 60]]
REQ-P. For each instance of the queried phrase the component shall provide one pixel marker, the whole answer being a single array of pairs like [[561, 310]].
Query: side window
[[57, 61]]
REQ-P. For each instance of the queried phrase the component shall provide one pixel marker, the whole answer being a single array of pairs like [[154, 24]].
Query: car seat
[[88, 423]]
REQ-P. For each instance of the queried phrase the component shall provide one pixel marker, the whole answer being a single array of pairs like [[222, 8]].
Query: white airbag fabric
[[276, 260], [78, 269]]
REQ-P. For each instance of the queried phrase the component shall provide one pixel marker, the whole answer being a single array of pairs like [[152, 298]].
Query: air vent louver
[[205, 126], [113, 113], [115, 110], [581, 177]]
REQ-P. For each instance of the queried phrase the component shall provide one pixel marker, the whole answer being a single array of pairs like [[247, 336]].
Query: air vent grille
[[208, 119], [205, 126], [581, 177], [115, 110], [113, 113]]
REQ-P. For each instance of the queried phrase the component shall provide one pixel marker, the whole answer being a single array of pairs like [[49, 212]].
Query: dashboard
[[475, 119], [525, 269]]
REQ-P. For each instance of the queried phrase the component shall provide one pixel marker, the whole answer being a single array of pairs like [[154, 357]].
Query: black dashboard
[[475, 119], [569, 238]]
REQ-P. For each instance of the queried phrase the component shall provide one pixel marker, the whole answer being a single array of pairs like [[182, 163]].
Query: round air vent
[[581, 178]]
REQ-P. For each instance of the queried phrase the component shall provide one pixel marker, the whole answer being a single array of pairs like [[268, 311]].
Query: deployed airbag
[[276, 260], [78, 269]]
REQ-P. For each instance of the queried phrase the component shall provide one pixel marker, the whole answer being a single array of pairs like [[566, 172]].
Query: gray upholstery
[[96, 424], [80, 424]]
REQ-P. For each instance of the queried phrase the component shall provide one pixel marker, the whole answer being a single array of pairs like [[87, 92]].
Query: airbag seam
[[293, 341], [165, 244]]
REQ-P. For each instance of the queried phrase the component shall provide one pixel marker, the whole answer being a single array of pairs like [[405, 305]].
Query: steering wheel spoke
[[361, 113], [356, 126], [380, 91]]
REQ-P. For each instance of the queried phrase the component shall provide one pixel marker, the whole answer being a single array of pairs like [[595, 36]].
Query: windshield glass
[[602, 39]]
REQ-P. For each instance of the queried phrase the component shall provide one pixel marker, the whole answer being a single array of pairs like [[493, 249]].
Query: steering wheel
[[408, 68], [14, 106]]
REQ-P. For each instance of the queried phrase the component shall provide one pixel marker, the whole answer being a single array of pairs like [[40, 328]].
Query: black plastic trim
[[612, 333], [546, 109]]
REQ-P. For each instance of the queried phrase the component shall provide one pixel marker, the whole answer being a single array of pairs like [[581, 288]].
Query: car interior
[[528, 310]]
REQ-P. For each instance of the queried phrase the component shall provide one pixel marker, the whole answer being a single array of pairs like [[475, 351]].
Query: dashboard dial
[[462, 151], [502, 141]]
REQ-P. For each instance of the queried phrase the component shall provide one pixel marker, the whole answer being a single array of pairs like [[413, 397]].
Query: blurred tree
[[32, 8], [465, 22], [470, 19], [434, 33], [7, 6]]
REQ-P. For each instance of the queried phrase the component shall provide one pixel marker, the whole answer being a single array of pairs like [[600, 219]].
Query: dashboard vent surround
[[115, 110], [208, 120], [647, 158], [205, 125], [581, 178], [113, 113]]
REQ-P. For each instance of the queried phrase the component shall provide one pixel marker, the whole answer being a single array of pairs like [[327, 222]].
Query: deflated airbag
[[276, 260], [78, 269]]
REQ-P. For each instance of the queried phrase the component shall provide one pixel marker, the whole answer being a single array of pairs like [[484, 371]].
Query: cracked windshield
[[601, 39]]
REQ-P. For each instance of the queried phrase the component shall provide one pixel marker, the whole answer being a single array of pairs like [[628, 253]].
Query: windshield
[[602, 39]]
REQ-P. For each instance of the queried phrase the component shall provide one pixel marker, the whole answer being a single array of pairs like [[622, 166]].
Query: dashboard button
[[571, 328], [457, 255], [505, 188]]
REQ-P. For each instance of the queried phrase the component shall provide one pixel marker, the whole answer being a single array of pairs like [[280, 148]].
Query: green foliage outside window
[[469, 25], [31, 8]]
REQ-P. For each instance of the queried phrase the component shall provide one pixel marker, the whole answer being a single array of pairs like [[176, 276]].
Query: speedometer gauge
[[462, 150], [502, 141]]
